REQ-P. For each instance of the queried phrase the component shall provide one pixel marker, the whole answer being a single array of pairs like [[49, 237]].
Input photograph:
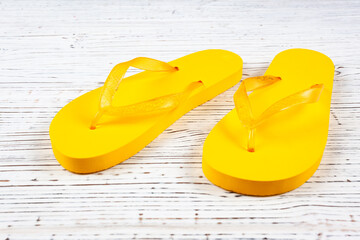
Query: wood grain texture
[[53, 51]]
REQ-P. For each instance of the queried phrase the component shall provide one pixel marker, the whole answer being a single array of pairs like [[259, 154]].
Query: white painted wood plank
[[52, 52]]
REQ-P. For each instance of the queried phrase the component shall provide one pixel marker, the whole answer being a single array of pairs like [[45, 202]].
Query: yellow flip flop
[[110, 124], [273, 140]]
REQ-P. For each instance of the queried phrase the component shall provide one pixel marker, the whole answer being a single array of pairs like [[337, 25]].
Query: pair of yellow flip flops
[[256, 149]]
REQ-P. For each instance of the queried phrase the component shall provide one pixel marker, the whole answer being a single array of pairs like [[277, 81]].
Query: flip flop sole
[[289, 146], [81, 150]]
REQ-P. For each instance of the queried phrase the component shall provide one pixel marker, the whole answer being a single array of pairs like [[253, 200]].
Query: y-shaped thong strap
[[156, 105], [244, 110]]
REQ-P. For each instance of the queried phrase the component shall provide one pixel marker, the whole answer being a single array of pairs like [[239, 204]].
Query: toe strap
[[155, 105], [244, 110]]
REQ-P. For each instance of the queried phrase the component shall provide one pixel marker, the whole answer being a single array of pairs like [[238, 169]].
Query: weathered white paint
[[53, 51]]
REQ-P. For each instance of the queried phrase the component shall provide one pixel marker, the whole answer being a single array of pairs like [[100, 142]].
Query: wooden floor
[[52, 52]]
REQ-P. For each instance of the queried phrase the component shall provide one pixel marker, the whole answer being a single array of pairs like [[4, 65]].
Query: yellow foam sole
[[289, 146], [81, 150]]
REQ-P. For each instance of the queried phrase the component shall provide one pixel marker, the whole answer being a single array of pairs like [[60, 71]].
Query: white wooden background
[[52, 52]]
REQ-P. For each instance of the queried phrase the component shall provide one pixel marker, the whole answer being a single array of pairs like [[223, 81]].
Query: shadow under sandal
[[274, 139], [112, 123]]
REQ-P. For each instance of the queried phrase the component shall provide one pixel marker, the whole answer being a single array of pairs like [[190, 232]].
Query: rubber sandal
[[273, 140], [108, 125]]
